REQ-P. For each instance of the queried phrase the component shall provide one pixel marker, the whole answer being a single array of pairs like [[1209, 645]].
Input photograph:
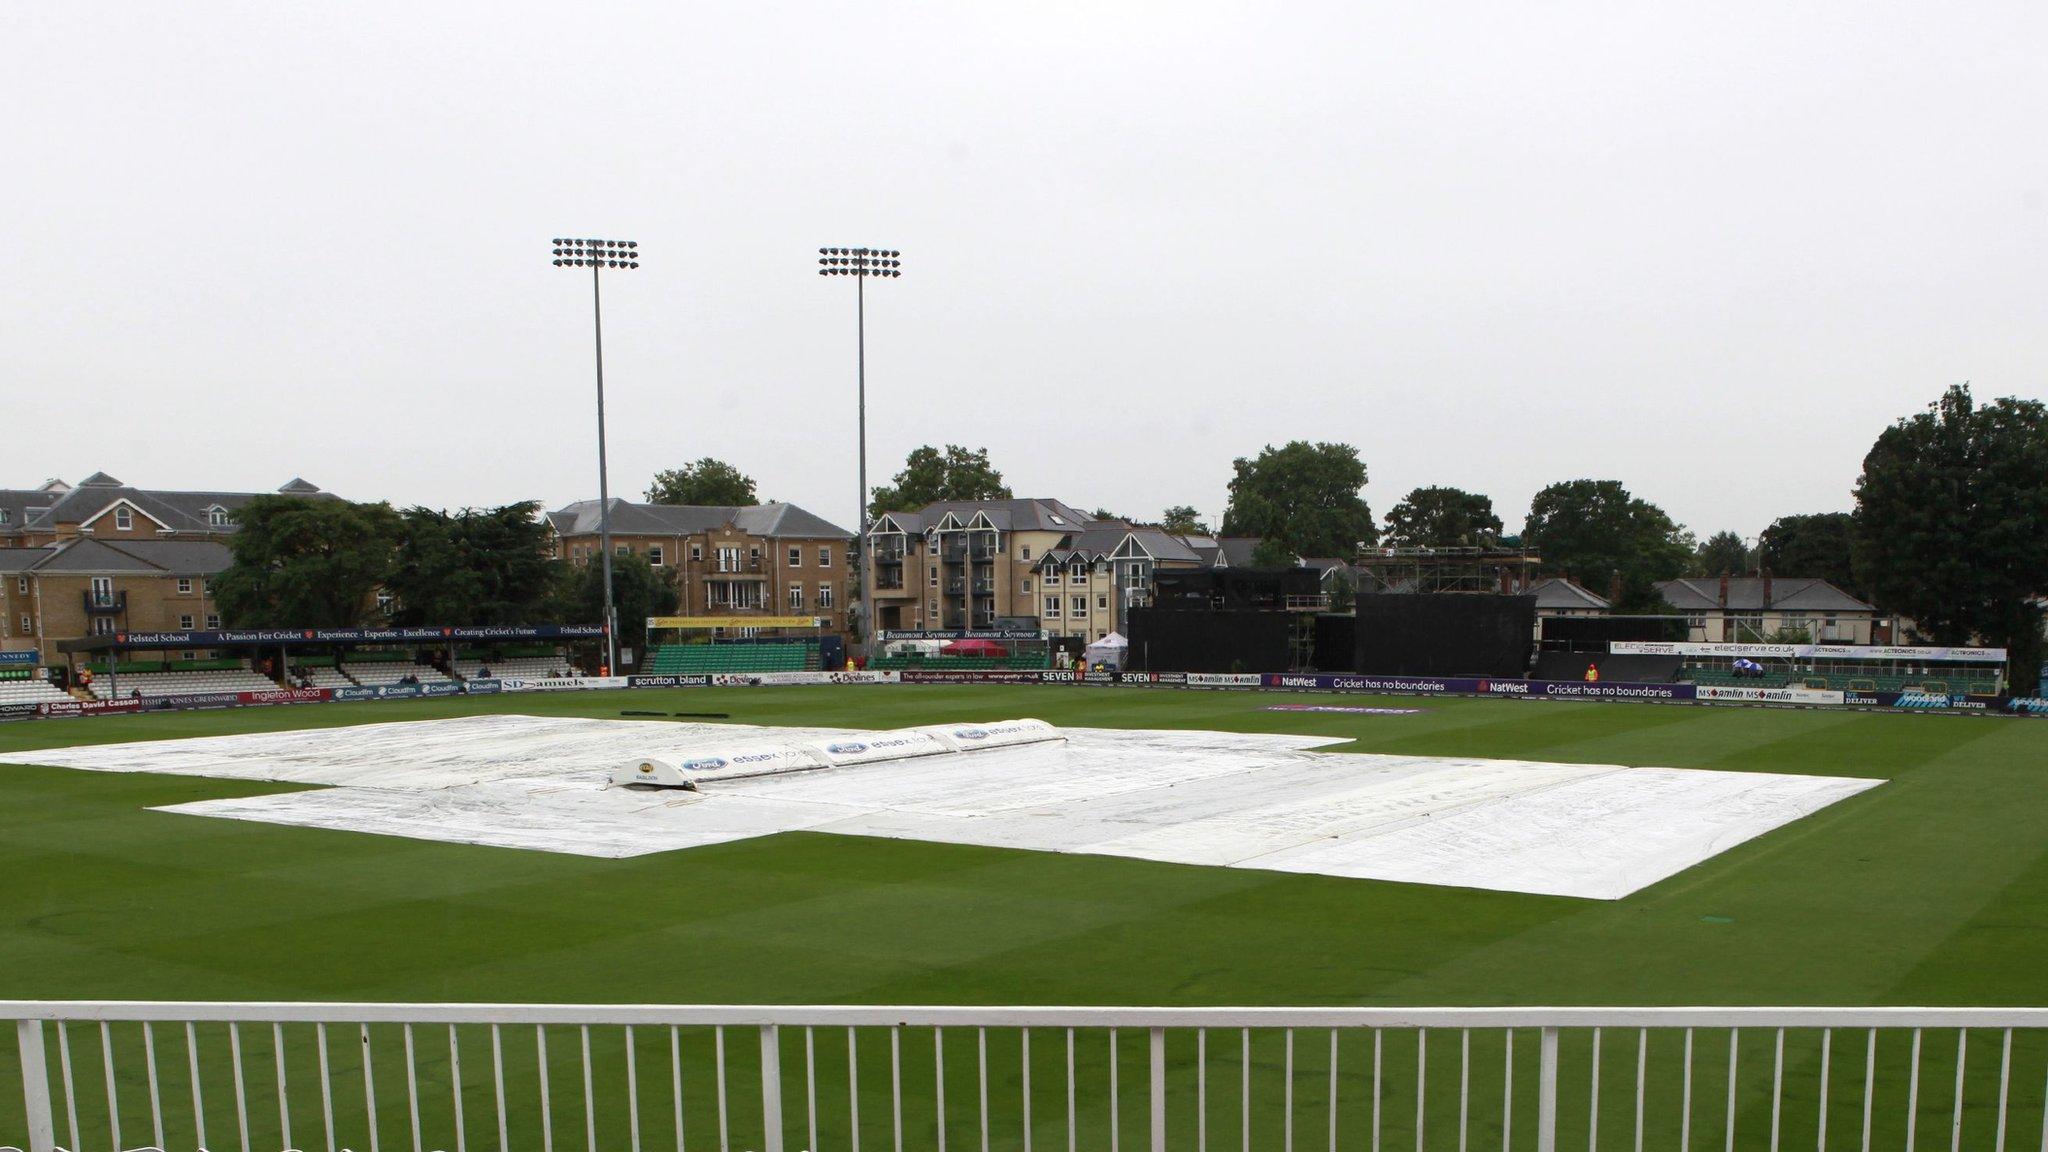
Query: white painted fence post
[[1546, 1093], [1158, 1090], [771, 1088], [35, 1086]]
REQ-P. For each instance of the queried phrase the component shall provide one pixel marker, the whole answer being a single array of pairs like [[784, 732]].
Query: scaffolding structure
[[1504, 571]]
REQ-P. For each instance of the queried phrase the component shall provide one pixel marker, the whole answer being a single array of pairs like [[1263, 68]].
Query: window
[[1052, 577], [206, 587], [728, 558], [623, 549], [212, 620], [1052, 606], [1077, 605], [1027, 585], [654, 555], [184, 623], [185, 588], [935, 611], [1077, 568], [754, 554], [824, 557], [796, 557], [824, 596], [21, 585], [217, 517], [124, 519], [935, 545], [1102, 603], [696, 552], [1024, 553], [796, 597], [103, 626], [28, 626], [933, 577], [4, 515]]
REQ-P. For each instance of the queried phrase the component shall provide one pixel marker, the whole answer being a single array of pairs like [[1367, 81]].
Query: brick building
[[765, 559], [104, 557]]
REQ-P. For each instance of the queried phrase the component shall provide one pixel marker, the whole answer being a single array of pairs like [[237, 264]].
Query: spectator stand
[[1954, 671], [977, 650], [695, 645], [23, 680], [170, 663]]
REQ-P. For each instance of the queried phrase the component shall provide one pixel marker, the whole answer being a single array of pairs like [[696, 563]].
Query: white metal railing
[[103, 1075]]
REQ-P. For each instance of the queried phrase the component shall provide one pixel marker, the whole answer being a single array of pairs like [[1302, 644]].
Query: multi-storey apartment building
[[103, 557], [964, 565], [89, 587], [766, 559], [104, 508]]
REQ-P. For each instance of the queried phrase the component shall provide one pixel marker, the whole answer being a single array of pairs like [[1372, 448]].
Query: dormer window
[[124, 519], [1077, 568], [217, 517]]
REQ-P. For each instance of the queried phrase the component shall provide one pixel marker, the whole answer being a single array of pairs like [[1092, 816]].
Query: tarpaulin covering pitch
[[1230, 799]]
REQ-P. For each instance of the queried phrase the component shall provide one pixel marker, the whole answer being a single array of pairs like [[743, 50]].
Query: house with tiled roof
[[104, 508], [727, 560], [1747, 609], [87, 586]]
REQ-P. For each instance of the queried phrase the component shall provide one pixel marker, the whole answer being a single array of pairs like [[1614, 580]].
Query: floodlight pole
[[860, 263], [604, 490], [598, 255]]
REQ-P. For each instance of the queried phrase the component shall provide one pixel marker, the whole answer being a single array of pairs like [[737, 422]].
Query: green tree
[[707, 482], [1183, 520], [302, 563], [1304, 498], [1722, 554], [638, 591], [1442, 518], [1271, 553], [477, 566], [1951, 523], [930, 476], [1103, 514], [1821, 545], [1598, 534]]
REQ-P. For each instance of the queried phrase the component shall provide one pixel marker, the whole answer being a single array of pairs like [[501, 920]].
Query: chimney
[[1724, 590], [1767, 587]]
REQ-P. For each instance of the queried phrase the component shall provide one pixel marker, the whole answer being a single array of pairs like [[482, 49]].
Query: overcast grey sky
[[1707, 250]]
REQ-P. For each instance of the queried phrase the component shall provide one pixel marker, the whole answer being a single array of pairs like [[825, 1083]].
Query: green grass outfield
[[1932, 889]]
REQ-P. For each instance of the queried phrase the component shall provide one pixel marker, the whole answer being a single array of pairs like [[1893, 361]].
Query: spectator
[[1592, 673], [484, 672]]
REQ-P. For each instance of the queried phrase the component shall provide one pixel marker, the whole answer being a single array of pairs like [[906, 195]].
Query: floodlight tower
[[861, 263], [598, 255]]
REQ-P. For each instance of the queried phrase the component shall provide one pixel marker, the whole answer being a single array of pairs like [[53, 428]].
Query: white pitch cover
[[997, 734], [874, 747], [1228, 799]]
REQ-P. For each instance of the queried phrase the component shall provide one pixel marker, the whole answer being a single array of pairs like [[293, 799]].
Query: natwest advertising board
[[1354, 682]]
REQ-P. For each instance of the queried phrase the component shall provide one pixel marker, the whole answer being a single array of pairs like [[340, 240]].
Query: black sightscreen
[[1445, 634], [1165, 640]]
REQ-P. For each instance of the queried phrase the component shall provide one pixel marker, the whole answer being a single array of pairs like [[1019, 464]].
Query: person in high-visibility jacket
[[1592, 673]]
